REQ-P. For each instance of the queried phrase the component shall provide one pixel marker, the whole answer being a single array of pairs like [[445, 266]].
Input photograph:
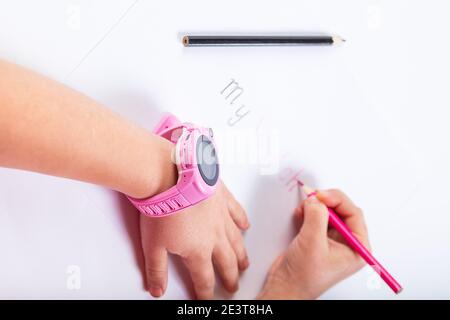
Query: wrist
[[274, 292], [167, 175], [281, 287], [152, 170]]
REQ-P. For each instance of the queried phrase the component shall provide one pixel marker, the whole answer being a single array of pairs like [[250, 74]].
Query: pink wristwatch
[[198, 168]]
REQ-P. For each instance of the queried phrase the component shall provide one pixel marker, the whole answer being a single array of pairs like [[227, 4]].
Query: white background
[[369, 117]]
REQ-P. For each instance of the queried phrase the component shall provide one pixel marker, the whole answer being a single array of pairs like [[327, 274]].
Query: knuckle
[[198, 256], [336, 191], [359, 211], [314, 206], [155, 273], [201, 255], [236, 244], [228, 264], [338, 194], [359, 263]]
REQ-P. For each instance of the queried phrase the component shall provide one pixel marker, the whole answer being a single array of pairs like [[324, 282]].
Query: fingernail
[[312, 200], [156, 291]]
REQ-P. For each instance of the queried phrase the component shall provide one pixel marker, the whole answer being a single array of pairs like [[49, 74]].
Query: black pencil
[[234, 41]]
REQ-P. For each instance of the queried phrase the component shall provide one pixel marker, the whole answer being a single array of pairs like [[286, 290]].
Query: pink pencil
[[356, 245]]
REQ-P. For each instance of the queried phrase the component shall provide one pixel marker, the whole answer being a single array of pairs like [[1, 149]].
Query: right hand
[[318, 257]]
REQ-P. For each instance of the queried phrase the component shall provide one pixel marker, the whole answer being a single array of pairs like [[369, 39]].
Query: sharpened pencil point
[[307, 190], [185, 41], [338, 40]]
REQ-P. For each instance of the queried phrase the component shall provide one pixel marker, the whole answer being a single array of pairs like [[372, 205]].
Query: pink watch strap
[[170, 200], [167, 125], [162, 204]]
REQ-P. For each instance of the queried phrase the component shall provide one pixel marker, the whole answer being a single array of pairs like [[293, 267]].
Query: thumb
[[315, 220], [156, 270]]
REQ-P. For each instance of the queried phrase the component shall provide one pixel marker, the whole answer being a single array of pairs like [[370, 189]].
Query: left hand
[[205, 234]]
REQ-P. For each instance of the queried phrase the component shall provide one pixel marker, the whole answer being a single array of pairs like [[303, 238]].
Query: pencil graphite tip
[[307, 190]]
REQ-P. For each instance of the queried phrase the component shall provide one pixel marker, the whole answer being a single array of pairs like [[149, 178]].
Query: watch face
[[207, 161]]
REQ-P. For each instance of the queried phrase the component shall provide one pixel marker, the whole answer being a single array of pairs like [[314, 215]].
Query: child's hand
[[204, 234], [318, 257]]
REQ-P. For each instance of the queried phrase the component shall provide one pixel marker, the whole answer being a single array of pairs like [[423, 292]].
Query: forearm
[[49, 128]]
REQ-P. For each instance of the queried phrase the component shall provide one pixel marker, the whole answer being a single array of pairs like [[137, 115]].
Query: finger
[[226, 264], [343, 256], [237, 243], [347, 210], [202, 274], [236, 211], [337, 200], [156, 270], [298, 216], [238, 214], [315, 221], [299, 210], [336, 236]]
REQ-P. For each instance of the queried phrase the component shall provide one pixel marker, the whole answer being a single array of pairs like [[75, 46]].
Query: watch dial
[[207, 161]]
